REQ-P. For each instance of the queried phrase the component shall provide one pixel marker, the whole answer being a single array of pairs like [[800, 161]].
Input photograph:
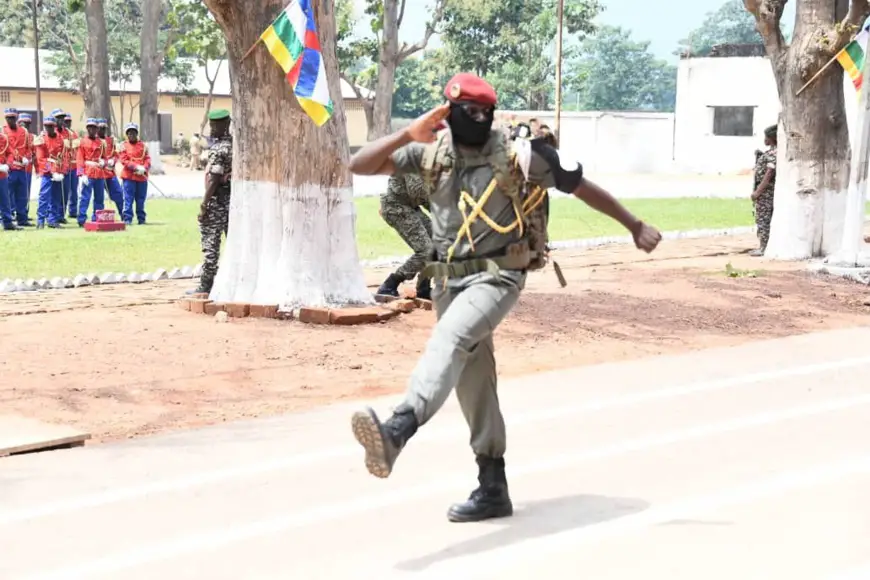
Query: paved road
[[750, 463]]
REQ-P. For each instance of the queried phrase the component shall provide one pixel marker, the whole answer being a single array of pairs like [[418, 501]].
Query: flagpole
[[559, 18], [827, 64]]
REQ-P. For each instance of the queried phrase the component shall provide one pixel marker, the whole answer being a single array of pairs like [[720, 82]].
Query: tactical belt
[[515, 257]]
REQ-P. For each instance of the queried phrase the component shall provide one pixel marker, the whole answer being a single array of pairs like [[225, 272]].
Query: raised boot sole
[[488, 513], [367, 430]]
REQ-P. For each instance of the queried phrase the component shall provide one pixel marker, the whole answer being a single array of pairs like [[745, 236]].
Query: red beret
[[470, 87]]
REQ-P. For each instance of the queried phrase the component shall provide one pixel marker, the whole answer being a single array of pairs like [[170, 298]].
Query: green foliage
[[610, 71], [416, 91], [730, 24], [201, 38]]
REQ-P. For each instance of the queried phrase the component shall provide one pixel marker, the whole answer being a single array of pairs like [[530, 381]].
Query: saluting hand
[[423, 128]]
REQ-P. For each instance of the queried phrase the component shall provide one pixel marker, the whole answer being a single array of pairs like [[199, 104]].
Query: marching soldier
[[401, 209], [479, 270], [18, 143], [214, 214], [110, 156], [25, 120], [5, 204], [50, 164], [69, 195], [91, 165], [135, 164]]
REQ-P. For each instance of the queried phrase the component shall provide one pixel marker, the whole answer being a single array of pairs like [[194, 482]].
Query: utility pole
[[36, 67], [559, 18]]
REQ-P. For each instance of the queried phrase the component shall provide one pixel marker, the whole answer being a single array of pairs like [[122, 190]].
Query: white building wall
[[614, 142], [704, 83]]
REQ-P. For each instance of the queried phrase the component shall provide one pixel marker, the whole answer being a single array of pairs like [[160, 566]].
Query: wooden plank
[[23, 435]]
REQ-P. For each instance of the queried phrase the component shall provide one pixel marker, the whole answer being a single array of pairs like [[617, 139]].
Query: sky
[[647, 20]]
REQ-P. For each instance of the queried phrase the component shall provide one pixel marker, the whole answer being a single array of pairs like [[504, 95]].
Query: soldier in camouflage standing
[[401, 208], [762, 195], [480, 194], [214, 214]]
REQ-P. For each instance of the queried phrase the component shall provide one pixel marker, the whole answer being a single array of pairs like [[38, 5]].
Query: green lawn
[[172, 239]]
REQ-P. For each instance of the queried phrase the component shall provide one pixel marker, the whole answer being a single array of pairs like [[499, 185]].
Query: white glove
[[140, 169], [57, 176], [25, 161], [4, 168], [84, 180], [111, 163], [102, 163]]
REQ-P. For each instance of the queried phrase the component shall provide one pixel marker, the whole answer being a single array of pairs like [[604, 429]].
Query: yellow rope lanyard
[[144, 151], [533, 200]]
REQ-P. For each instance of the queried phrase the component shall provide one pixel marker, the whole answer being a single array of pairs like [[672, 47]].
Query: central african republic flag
[[292, 41], [851, 58]]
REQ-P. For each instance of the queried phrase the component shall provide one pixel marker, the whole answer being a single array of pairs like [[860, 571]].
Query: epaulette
[[37, 141], [75, 143]]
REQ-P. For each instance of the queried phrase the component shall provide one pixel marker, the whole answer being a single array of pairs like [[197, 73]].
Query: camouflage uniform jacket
[[406, 190], [220, 158], [765, 161]]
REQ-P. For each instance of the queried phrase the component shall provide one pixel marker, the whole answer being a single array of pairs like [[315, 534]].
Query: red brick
[[353, 316], [314, 315], [199, 296], [423, 304], [184, 304], [237, 309], [405, 305], [387, 314], [264, 310], [213, 308], [198, 306]]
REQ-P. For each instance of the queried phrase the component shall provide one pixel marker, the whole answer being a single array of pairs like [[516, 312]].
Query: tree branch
[[768, 14], [845, 30], [401, 14], [408, 49]]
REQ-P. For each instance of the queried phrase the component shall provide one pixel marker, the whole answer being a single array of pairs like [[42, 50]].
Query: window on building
[[733, 121], [5, 97], [189, 102]]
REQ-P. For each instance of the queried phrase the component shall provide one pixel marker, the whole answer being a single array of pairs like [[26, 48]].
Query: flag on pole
[[851, 58], [292, 41]]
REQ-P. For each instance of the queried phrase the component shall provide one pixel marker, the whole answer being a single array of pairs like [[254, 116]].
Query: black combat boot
[[390, 287], [424, 288], [490, 500], [383, 441], [204, 287]]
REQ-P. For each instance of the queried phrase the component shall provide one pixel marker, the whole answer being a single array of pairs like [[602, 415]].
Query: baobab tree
[[814, 151], [291, 236]]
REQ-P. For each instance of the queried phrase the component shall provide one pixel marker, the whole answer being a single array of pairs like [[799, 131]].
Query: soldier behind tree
[[762, 196], [401, 209], [214, 215]]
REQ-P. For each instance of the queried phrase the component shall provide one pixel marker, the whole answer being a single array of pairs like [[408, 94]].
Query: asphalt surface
[[750, 462]]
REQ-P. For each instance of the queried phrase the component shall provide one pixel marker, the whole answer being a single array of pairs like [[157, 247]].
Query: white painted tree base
[[860, 274], [291, 246], [156, 161]]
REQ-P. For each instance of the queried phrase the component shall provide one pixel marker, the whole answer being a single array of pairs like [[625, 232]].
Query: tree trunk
[[150, 58], [208, 100], [812, 176], [387, 62], [814, 152], [96, 96], [291, 236]]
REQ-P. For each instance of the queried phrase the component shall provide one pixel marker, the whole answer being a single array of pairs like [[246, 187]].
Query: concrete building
[[724, 103], [180, 111]]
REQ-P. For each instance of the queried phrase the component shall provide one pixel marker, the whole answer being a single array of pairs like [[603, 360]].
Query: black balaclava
[[467, 130]]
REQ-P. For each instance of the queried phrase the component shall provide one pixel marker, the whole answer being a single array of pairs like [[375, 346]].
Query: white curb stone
[[57, 283], [80, 281], [120, 278], [197, 271], [133, 278], [7, 285], [31, 284], [107, 278], [67, 283], [175, 274], [93, 279], [145, 278], [160, 274], [44, 283], [186, 272]]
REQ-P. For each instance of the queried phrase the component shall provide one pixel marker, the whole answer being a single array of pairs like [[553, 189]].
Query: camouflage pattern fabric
[[400, 208], [216, 215], [764, 203], [215, 222]]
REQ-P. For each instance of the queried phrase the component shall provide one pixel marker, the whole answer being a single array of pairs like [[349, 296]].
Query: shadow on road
[[534, 520]]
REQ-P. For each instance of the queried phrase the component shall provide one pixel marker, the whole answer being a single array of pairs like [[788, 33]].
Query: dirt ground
[[124, 361]]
